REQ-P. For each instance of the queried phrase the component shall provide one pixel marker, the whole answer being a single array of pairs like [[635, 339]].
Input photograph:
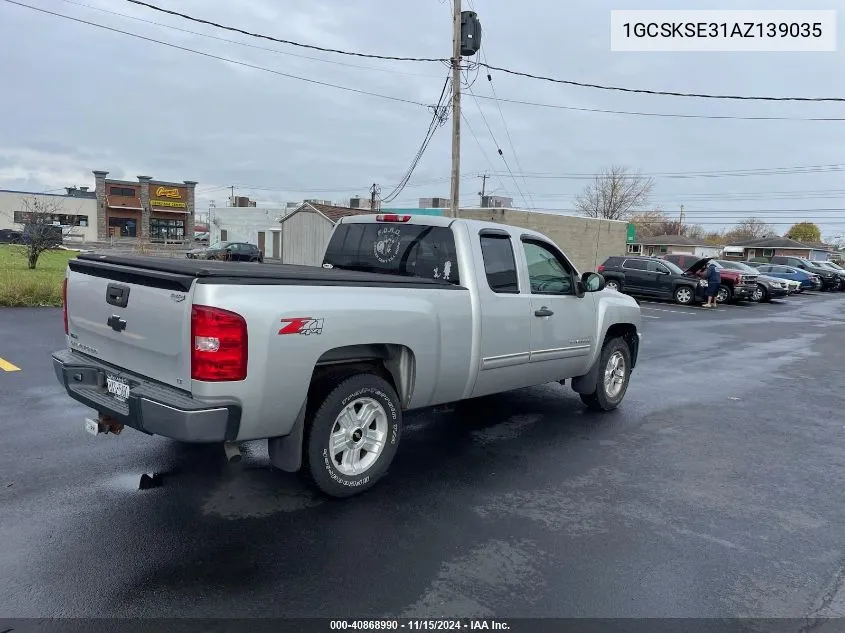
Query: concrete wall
[[587, 242], [11, 201], [242, 224], [304, 238]]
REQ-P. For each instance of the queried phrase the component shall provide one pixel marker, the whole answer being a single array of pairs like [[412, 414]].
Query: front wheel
[[613, 378], [352, 436], [759, 294], [724, 294], [684, 295], [612, 284]]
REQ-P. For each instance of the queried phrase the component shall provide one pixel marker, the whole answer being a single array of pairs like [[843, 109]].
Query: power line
[[765, 171], [253, 46], [283, 41], [484, 153], [665, 114], [486, 65], [498, 147], [218, 57], [505, 125], [666, 93], [440, 112]]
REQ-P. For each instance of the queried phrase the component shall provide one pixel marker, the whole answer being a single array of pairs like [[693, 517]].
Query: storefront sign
[[168, 203], [168, 192]]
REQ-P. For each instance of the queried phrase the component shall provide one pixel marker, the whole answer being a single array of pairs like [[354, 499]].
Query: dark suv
[[652, 277], [830, 280]]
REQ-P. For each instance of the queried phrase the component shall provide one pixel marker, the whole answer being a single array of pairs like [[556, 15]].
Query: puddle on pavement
[[256, 497]]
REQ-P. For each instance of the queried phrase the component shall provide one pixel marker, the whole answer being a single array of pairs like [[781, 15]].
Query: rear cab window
[[499, 262], [409, 250]]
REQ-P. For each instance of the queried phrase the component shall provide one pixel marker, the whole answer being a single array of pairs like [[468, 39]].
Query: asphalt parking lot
[[715, 491]]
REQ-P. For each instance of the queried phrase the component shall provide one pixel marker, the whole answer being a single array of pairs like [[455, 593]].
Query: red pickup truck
[[736, 285]]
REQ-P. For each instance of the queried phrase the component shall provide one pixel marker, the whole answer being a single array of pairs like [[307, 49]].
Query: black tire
[[319, 467], [613, 284], [684, 295], [725, 294], [600, 400]]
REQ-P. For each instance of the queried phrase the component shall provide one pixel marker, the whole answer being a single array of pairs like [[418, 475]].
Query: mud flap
[[286, 451], [587, 383]]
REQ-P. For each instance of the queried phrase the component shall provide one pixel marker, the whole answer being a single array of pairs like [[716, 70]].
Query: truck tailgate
[[137, 320]]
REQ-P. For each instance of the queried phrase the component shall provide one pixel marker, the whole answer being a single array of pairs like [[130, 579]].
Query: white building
[[253, 225], [75, 211]]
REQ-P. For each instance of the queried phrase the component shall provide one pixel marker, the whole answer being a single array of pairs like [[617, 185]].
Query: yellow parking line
[[7, 366]]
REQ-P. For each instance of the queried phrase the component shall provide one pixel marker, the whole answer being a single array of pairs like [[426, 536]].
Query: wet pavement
[[714, 491]]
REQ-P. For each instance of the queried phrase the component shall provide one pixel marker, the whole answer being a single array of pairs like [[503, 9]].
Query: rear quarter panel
[[434, 324]]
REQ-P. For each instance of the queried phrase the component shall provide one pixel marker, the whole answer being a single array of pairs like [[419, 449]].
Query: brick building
[[150, 209]]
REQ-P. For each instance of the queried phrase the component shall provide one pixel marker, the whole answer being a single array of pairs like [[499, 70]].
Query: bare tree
[[750, 229], [41, 230], [655, 222], [615, 194]]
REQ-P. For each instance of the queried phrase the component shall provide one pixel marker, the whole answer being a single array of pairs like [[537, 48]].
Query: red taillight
[[392, 217], [64, 304], [218, 345], [600, 268]]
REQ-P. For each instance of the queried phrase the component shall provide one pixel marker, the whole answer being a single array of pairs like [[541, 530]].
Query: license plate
[[117, 387]]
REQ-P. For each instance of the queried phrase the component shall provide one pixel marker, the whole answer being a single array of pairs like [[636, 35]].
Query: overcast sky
[[78, 98]]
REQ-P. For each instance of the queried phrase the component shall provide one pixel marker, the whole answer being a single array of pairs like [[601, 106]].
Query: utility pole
[[681, 222], [483, 191], [456, 107], [375, 203]]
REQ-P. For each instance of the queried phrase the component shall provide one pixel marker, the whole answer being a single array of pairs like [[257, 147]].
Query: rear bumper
[[152, 408]]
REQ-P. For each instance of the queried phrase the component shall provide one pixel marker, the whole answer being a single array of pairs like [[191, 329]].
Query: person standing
[[714, 280]]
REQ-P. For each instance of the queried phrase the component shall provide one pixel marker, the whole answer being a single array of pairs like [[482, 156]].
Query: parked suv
[[652, 277], [830, 280], [837, 269]]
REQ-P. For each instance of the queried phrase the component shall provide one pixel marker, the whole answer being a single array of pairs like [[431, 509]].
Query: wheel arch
[[627, 332]]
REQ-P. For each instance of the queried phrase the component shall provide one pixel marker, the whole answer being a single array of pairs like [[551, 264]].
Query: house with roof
[[672, 244], [768, 247]]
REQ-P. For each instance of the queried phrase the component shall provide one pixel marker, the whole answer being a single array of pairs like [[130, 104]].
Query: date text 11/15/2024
[[419, 625]]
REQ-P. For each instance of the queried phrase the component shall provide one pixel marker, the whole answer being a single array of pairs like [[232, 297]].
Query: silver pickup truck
[[405, 312]]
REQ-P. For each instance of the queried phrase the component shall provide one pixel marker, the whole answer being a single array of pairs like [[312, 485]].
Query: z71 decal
[[306, 326]]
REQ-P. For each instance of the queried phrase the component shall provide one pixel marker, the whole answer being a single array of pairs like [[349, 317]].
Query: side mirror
[[592, 282]]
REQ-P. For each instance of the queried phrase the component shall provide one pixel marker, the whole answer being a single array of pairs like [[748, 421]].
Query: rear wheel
[[684, 295], [724, 294], [352, 436], [612, 284], [614, 374]]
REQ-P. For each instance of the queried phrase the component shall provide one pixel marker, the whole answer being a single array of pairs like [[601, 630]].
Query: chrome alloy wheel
[[358, 436], [614, 374]]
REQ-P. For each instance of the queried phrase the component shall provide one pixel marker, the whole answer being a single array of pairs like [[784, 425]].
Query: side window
[[499, 263], [547, 273], [659, 268], [635, 264]]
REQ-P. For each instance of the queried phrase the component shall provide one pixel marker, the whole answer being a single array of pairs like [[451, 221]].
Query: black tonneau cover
[[172, 271]]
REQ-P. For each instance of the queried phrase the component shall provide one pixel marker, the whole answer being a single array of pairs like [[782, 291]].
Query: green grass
[[21, 287]]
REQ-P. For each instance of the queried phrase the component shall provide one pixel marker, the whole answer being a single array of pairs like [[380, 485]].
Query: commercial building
[[75, 211], [149, 209]]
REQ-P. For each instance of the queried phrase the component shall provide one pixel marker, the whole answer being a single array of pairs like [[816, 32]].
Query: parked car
[[407, 311], [10, 236], [228, 251], [830, 280], [766, 289], [836, 269], [805, 279], [653, 277], [738, 283]]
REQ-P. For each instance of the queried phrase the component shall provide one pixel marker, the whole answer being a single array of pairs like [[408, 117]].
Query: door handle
[[543, 312]]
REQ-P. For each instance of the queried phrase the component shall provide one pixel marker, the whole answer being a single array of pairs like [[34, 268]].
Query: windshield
[[737, 266]]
